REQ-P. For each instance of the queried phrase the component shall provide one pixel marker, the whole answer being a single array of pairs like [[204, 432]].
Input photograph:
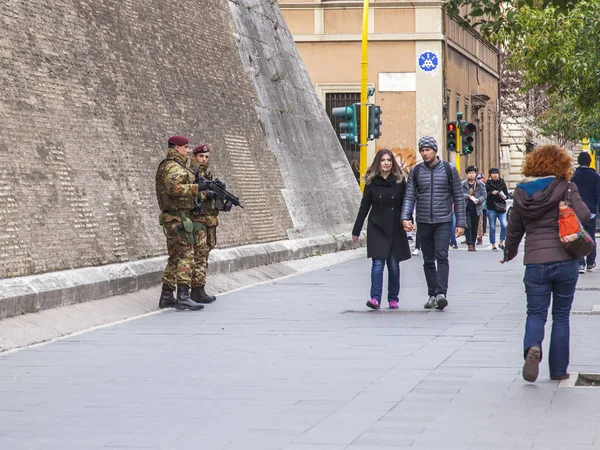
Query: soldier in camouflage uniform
[[177, 196], [206, 236]]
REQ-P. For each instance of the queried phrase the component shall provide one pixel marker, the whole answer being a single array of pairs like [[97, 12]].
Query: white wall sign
[[397, 81]]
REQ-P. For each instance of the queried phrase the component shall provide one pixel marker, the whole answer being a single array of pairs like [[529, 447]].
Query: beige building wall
[[328, 36]]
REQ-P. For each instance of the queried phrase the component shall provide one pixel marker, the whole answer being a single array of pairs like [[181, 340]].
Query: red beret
[[179, 140], [202, 148]]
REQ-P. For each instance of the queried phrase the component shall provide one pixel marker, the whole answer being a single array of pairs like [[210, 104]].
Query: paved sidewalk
[[299, 364]]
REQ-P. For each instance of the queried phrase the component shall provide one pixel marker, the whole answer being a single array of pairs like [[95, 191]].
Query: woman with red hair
[[550, 272]]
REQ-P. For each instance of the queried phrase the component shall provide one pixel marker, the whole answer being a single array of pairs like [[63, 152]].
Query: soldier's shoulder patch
[[174, 176]]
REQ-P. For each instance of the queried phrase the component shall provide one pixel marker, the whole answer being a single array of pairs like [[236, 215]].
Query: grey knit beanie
[[428, 141]]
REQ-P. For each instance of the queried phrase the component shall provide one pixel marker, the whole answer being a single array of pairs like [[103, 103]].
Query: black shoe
[[199, 295], [591, 267], [167, 298], [455, 247], [441, 301], [184, 301]]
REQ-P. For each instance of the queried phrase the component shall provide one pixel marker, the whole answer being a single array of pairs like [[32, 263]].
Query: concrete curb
[[50, 290]]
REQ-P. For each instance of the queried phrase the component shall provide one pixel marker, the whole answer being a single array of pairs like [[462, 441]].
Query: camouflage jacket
[[209, 213], [175, 187]]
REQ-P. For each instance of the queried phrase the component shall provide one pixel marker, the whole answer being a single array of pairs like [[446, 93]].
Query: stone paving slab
[[284, 366]]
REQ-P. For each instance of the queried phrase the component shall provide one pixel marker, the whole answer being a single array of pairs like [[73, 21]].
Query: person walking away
[[475, 194], [482, 228], [434, 185], [177, 195], [551, 273], [453, 241], [417, 250], [206, 220], [387, 244], [588, 184], [497, 193]]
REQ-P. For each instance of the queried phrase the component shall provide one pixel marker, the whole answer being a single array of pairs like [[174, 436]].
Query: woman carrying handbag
[[387, 243], [551, 272]]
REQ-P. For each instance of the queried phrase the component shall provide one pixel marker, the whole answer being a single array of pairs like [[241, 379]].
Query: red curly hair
[[548, 160]]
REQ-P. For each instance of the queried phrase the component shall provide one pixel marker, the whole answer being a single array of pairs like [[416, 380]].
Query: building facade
[[424, 67]]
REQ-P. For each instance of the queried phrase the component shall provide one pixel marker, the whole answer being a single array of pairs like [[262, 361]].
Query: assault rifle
[[219, 188]]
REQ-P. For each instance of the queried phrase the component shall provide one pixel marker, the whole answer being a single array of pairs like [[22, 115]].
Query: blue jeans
[[492, 216], [543, 281], [452, 235], [393, 267]]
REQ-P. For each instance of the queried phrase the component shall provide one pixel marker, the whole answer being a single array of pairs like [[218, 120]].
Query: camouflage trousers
[[181, 257], [205, 242]]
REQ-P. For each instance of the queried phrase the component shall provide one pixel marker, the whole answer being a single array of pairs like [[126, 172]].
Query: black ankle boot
[[184, 301], [199, 295], [167, 298]]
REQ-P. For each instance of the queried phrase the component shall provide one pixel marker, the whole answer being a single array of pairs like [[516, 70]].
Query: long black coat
[[383, 197]]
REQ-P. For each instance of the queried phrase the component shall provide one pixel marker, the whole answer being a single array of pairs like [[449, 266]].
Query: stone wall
[[92, 89]]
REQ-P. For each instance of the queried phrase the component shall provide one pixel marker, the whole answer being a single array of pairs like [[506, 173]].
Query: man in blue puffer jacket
[[588, 184], [434, 185]]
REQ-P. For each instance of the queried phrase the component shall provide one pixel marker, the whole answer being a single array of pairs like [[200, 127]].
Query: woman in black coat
[[385, 185]]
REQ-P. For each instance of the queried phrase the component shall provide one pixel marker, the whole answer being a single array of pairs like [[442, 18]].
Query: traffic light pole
[[364, 95]]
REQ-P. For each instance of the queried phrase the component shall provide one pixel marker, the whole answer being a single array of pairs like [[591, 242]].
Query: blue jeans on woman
[[452, 235], [543, 281], [393, 267], [492, 216]]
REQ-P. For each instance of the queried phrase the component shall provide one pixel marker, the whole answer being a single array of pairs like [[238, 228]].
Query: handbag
[[576, 241]]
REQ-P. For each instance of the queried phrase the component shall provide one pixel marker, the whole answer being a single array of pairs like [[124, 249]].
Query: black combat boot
[[167, 298], [183, 299], [199, 295]]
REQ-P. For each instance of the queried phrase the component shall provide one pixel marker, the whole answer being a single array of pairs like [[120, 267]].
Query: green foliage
[[561, 53], [491, 17], [554, 45]]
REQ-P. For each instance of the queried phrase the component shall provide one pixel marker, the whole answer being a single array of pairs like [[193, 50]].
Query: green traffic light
[[348, 128]]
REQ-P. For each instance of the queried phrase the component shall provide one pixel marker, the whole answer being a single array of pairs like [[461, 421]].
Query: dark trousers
[[544, 282], [393, 267], [591, 229], [435, 240], [472, 227], [418, 241]]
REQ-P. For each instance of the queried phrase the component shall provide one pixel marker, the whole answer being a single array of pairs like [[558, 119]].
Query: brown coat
[[536, 215]]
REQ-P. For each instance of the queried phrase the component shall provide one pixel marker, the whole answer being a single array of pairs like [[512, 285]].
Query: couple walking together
[[390, 195]]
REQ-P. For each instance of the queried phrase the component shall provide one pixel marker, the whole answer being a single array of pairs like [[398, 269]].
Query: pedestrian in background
[[482, 228], [475, 194], [387, 244], [434, 185], [497, 193], [588, 184], [551, 273]]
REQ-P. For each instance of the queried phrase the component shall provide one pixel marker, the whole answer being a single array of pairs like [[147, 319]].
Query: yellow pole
[[585, 145], [458, 147], [363, 94]]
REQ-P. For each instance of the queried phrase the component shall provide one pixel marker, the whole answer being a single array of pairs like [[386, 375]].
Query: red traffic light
[[451, 126]]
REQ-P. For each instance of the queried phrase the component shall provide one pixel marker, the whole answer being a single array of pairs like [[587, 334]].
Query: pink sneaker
[[373, 303], [393, 304]]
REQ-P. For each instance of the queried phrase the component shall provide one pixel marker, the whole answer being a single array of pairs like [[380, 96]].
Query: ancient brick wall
[[90, 92]]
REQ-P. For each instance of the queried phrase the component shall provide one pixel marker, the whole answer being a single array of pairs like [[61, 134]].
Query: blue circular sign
[[428, 61]]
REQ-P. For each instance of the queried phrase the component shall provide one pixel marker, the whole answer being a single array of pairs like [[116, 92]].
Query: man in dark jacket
[[497, 193], [434, 185], [588, 183]]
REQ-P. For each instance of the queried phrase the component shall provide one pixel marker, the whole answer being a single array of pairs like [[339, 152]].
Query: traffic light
[[594, 146], [374, 122], [451, 137], [466, 133], [348, 128]]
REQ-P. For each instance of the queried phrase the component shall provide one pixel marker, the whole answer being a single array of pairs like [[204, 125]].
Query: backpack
[[447, 166]]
